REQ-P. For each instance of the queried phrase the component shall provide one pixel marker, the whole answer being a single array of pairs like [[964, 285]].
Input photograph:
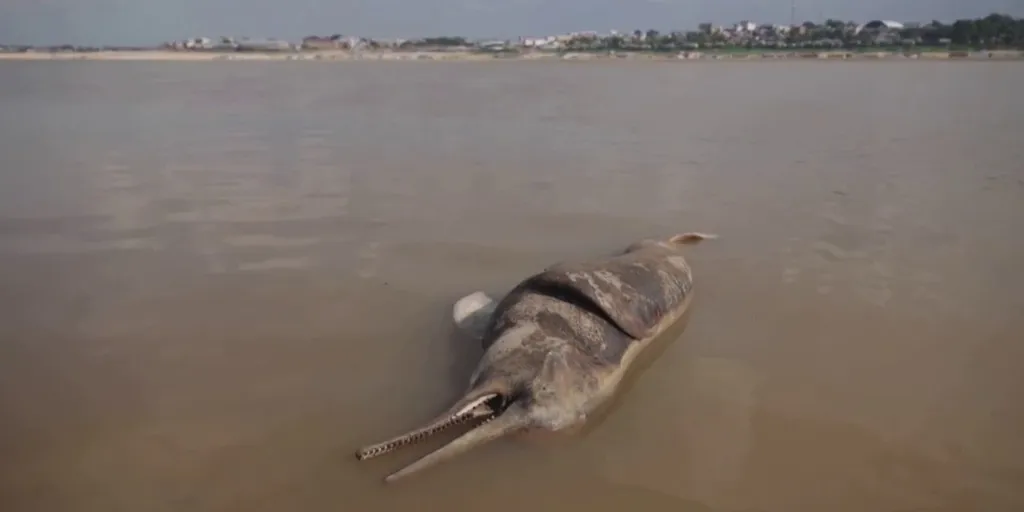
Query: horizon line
[[485, 38]]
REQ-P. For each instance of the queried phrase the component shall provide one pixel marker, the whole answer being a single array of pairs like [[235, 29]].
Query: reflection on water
[[218, 281]]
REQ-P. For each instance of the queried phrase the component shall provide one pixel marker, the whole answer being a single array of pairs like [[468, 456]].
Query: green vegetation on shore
[[993, 32]]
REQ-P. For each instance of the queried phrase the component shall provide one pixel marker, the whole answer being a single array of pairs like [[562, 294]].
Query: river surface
[[219, 280]]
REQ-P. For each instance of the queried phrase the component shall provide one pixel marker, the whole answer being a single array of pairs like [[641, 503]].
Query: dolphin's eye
[[497, 403], [503, 401]]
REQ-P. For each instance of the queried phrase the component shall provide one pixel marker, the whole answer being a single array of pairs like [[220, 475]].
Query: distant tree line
[[994, 30], [442, 41], [991, 32]]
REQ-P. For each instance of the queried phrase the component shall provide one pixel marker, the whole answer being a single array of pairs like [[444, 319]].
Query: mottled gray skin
[[557, 345], [567, 328]]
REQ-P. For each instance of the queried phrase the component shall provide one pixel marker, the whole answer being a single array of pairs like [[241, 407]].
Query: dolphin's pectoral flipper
[[472, 312]]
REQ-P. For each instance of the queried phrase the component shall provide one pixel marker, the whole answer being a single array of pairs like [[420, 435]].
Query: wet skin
[[557, 345]]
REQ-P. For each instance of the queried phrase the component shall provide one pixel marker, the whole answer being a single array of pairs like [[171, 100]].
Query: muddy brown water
[[219, 280]]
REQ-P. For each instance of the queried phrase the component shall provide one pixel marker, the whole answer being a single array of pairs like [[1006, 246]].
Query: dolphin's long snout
[[508, 422], [471, 407], [413, 436]]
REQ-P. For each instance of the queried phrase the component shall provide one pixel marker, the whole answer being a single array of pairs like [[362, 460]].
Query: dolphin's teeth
[[451, 421]]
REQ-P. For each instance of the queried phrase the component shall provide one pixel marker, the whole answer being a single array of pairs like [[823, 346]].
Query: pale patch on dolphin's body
[[472, 312], [557, 346]]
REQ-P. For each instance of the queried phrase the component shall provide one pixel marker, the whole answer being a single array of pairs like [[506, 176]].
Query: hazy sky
[[153, 21]]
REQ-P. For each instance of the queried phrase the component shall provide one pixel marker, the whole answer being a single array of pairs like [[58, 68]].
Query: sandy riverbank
[[162, 55]]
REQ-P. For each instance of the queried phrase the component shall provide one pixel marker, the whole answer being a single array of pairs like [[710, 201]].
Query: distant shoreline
[[344, 55]]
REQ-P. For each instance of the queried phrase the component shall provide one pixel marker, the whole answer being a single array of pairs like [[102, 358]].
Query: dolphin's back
[[634, 290], [629, 293], [553, 319]]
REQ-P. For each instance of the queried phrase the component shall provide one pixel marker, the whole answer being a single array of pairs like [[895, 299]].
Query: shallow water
[[219, 280]]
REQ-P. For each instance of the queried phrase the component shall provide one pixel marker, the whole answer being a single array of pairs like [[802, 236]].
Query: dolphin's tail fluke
[[691, 238]]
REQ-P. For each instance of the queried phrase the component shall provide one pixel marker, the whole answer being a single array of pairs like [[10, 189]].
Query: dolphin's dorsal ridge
[[613, 291]]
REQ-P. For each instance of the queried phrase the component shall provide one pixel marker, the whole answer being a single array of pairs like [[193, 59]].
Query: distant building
[[321, 43], [222, 46], [198, 43], [745, 26], [880, 26], [352, 43], [881, 32], [263, 45], [542, 43], [493, 45]]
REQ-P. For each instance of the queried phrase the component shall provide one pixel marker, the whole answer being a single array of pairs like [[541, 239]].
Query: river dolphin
[[558, 344]]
